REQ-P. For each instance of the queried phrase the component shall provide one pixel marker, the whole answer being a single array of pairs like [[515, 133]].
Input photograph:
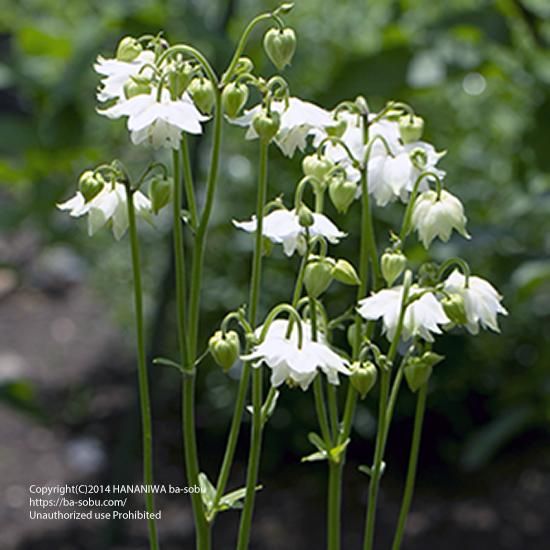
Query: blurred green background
[[478, 71]]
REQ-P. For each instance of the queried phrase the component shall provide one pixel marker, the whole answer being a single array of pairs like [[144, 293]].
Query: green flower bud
[[363, 377], [136, 85], [203, 94], [317, 167], [280, 45], [234, 98], [267, 246], [342, 193], [266, 126], [392, 265], [351, 333], [338, 130], [419, 369], [225, 349], [128, 49], [362, 105], [160, 193], [90, 185], [345, 273], [317, 277], [454, 308], [305, 216], [411, 128], [427, 274], [179, 79]]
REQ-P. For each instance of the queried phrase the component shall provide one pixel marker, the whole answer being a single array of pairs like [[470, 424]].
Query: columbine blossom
[[289, 362], [158, 121], [422, 317], [116, 73], [282, 227], [298, 120], [435, 216], [109, 205], [482, 302]]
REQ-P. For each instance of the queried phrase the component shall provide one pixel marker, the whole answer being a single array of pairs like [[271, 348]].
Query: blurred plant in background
[[478, 70]]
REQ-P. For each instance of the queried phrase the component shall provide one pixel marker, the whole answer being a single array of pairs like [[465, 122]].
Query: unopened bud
[[128, 49], [342, 193], [179, 79], [317, 277], [453, 304], [305, 216], [419, 369], [392, 264], [411, 128], [234, 98], [266, 125], [160, 193], [345, 273], [90, 185], [338, 129], [225, 348], [280, 45], [352, 333], [203, 94], [317, 167], [363, 377]]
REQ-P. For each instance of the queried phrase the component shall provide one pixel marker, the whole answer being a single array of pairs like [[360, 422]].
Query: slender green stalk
[[411, 471], [334, 510], [188, 381], [188, 180], [257, 424], [144, 397], [321, 411]]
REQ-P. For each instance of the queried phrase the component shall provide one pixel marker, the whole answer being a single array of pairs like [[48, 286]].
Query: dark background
[[478, 71]]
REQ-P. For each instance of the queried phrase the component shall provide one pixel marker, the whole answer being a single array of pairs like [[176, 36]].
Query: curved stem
[[411, 471], [193, 52], [257, 424], [144, 397]]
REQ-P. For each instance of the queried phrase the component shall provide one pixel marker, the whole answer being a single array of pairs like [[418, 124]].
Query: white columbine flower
[[116, 73], [422, 317], [298, 120], [437, 217], [481, 301], [288, 361], [158, 122], [108, 205], [282, 227]]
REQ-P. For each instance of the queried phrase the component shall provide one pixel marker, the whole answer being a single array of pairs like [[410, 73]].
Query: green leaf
[[319, 455], [208, 491], [233, 499], [165, 362], [365, 470], [336, 452], [316, 441]]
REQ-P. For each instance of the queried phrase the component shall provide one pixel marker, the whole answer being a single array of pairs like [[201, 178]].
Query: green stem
[[144, 397], [411, 471], [188, 180], [334, 504], [188, 381], [257, 397]]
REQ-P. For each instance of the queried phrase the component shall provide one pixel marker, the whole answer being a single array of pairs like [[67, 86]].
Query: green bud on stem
[[225, 348], [363, 377], [280, 45], [342, 193], [317, 277], [345, 273], [392, 264], [160, 192], [266, 125], [411, 128], [128, 49], [90, 185], [203, 94], [234, 98]]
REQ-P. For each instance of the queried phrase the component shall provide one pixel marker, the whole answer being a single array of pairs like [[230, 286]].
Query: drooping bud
[[225, 348], [266, 125], [90, 185], [160, 193], [363, 377], [136, 85], [411, 128], [317, 277], [280, 45], [203, 94], [179, 79], [338, 129], [342, 193], [305, 216], [234, 98], [128, 49], [317, 167], [392, 264], [362, 105], [453, 304], [345, 273], [419, 369]]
